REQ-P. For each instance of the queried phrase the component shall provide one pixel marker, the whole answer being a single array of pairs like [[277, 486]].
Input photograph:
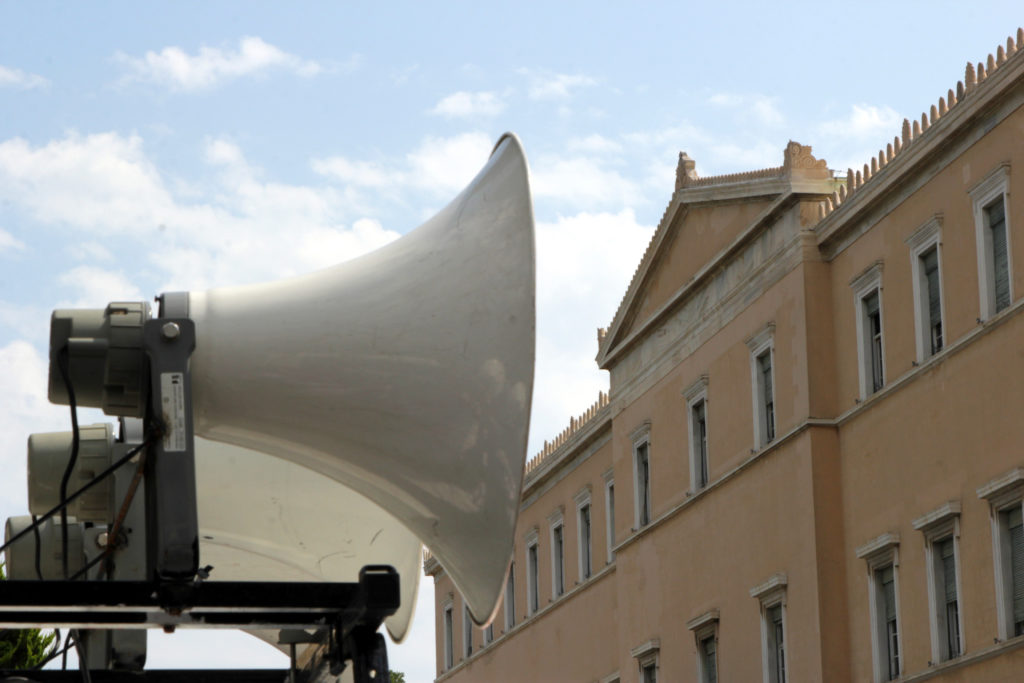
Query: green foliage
[[24, 649], [397, 677]]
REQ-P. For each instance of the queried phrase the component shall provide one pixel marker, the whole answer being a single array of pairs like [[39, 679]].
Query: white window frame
[[448, 633], [878, 554], [510, 598], [926, 237], [938, 526], [770, 594], [761, 343], [584, 546], [488, 635], [556, 523], [609, 516], [984, 194], [1002, 494], [703, 627], [864, 285], [694, 395], [641, 437], [467, 633], [532, 573], [646, 655]]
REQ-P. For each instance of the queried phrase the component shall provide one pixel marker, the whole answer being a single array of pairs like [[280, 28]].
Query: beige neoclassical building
[[810, 463]]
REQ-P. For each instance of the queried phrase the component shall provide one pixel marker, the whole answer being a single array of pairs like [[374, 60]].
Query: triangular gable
[[713, 209]]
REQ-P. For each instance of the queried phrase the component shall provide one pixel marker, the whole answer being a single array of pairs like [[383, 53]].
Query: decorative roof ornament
[[798, 160], [686, 171]]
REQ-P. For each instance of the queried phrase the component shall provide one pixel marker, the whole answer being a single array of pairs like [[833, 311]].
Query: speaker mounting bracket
[[350, 612]]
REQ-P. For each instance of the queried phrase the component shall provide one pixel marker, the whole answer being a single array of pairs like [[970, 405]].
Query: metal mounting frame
[[351, 612]]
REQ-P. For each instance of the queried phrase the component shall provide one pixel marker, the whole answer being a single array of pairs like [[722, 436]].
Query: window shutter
[[1017, 566], [948, 570], [1000, 264]]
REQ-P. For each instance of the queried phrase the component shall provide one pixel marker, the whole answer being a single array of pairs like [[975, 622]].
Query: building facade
[[810, 463]]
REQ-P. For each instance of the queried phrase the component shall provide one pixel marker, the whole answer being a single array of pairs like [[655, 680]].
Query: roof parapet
[[914, 130], [575, 425]]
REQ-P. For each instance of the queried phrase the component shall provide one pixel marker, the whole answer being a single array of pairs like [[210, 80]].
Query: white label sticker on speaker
[[172, 399]]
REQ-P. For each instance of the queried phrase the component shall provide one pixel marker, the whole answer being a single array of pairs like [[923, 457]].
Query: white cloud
[[9, 242], [16, 78], [731, 158], [173, 67], [549, 86], [438, 165], [359, 173], [24, 409], [467, 104], [584, 264], [594, 144], [849, 141], [864, 122], [95, 287], [760, 109], [446, 164], [583, 181], [238, 228]]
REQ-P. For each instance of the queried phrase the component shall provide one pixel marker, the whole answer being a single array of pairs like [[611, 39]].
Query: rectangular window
[[449, 650], [776, 644], [532, 579], [1014, 525], [868, 311], [700, 444], [926, 269], [767, 396], [941, 528], [772, 596], [933, 312], [946, 592], [705, 633], [873, 327], [557, 560], [649, 673], [993, 235], [887, 633], [641, 455], [609, 508], [709, 659], [586, 566], [467, 633], [510, 599], [762, 383]]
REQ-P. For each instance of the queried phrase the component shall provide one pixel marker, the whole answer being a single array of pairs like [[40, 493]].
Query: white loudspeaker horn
[[406, 374], [263, 518]]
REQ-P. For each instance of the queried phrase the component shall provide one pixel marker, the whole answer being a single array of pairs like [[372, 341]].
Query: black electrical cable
[[62, 363], [64, 652], [92, 563], [77, 494], [35, 532], [57, 652], [83, 664]]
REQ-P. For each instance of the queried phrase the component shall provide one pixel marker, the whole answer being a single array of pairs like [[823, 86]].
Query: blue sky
[[160, 146]]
